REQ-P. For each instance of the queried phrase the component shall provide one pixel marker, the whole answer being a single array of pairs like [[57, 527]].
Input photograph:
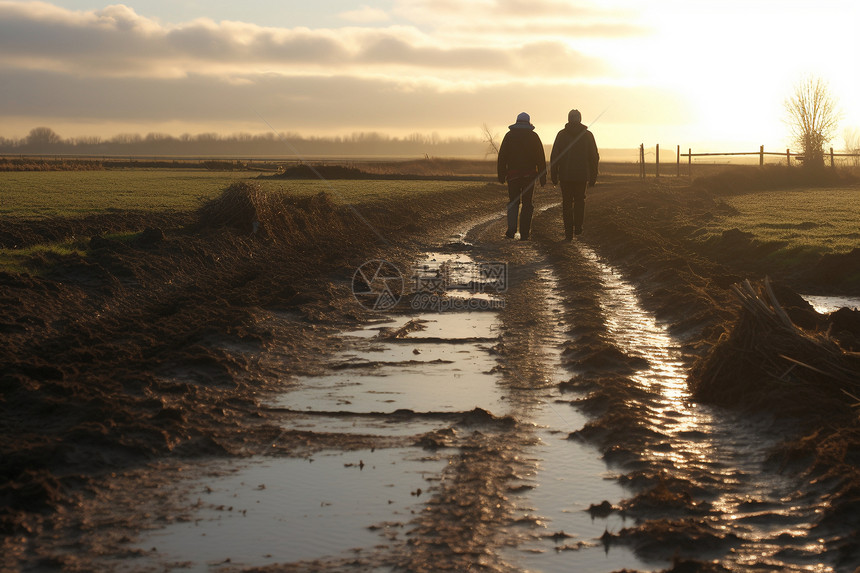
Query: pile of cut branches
[[767, 363]]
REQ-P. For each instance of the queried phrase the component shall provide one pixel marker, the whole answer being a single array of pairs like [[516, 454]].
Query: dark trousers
[[572, 206], [520, 190]]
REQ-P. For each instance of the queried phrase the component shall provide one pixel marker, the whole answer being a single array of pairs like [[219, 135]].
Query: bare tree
[[42, 137], [491, 139], [812, 115]]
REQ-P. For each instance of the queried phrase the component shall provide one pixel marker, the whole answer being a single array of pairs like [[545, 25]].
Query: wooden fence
[[761, 155]]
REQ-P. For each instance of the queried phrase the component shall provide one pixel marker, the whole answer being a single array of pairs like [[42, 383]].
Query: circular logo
[[378, 285]]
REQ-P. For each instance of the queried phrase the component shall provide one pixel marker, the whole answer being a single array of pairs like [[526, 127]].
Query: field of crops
[[69, 193]]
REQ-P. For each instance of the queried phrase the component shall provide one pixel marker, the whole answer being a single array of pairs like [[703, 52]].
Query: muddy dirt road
[[530, 411]]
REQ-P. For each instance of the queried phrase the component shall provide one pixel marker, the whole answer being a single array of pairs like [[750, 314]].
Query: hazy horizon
[[708, 75]]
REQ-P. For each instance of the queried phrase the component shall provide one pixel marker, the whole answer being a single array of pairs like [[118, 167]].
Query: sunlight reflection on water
[[828, 304], [568, 475], [717, 450]]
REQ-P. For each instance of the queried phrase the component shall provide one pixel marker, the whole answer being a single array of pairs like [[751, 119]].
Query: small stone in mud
[[151, 236], [520, 488], [559, 535], [602, 509], [606, 538]]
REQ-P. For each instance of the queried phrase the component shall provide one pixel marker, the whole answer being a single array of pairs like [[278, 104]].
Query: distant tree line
[[45, 141]]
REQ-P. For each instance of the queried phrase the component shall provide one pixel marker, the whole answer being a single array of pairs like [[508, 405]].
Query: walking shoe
[[509, 235]]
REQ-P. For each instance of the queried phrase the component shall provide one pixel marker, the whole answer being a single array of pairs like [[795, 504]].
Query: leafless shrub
[[812, 115], [491, 139]]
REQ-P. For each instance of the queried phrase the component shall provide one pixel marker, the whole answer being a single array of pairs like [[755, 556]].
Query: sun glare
[[737, 63]]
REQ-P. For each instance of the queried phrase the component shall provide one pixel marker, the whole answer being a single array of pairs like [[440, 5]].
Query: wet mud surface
[[214, 401]]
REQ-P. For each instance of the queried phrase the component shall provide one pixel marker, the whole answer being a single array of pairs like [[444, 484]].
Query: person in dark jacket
[[573, 162], [521, 163]]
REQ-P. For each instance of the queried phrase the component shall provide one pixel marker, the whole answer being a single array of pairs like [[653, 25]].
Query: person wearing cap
[[521, 163], [573, 162]]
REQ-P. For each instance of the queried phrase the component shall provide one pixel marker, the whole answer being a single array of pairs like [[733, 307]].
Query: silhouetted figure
[[521, 163], [573, 163]]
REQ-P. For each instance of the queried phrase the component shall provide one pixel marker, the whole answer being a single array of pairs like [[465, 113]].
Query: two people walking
[[522, 164]]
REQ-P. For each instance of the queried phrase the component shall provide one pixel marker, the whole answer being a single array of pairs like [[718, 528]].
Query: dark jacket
[[521, 155], [574, 155]]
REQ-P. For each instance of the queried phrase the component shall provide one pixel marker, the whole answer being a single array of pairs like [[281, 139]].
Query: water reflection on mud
[[285, 510], [377, 376], [440, 439], [480, 469], [827, 304], [716, 457], [566, 477]]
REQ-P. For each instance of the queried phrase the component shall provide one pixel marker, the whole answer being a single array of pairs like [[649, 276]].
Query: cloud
[[118, 41], [520, 18], [365, 15], [315, 104], [114, 66]]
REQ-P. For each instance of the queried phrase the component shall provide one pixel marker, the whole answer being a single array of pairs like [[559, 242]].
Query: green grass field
[[809, 220], [69, 193], [37, 195]]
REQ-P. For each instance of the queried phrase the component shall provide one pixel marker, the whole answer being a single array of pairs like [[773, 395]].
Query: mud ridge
[[691, 293], [143, 350]]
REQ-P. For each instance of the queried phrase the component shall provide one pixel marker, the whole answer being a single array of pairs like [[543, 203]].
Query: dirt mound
[[834, 270], [247, 209]]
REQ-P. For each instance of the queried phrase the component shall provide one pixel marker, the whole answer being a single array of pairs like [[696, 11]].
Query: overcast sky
[[699, 73]]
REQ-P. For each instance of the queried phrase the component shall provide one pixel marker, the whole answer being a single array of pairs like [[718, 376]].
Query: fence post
[[678, 160], [761, 155], [642, 161], [788, 157], [657, 158], [690, 162], [832, 164]]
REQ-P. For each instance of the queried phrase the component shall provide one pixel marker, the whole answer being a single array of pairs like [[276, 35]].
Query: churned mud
[[212, 396]]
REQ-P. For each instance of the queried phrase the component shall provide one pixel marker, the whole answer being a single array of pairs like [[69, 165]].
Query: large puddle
[[412, 375], [282, 510]]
